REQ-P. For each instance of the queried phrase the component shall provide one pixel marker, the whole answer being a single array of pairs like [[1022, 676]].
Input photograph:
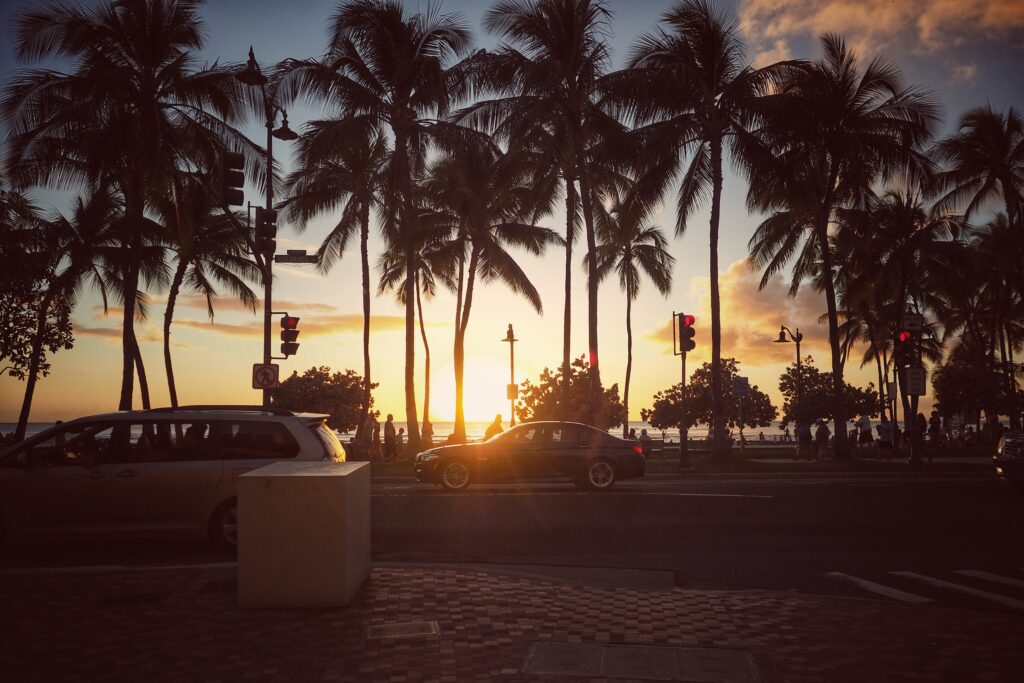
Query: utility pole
[[513, 388]]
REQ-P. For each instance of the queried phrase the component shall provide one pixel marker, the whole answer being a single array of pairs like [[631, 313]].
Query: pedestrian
[[494, 428], [920, 428], [632, 433], [864, 438], [804, 441], [390, 439], [645, 443], [375, 452], [786, 436], [934, 428], [760, 436], [885, 436], [821, 435], [401, 442]]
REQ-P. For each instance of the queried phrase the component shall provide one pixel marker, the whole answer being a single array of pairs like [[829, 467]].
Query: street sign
[[740, 386], [913, 322], [512, 391], [265, 376], [916, 382], [296, 256]]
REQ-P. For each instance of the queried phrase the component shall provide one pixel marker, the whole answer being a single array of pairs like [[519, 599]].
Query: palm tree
[[134, 109], [545, 77], [208, 252], [341, 170], [78, 251], [488, 203], [688, 86], [386, 70], [630, 247], [835, 130]]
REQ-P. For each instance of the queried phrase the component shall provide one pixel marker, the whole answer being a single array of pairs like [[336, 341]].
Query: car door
[[162, 479], [567, 452], [59, 484], [525, 457], [246, 445]]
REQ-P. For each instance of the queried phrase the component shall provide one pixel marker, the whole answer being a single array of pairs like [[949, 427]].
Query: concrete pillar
[[303, 534]]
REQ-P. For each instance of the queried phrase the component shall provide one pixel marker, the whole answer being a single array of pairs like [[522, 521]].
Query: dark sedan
[[535, 451]]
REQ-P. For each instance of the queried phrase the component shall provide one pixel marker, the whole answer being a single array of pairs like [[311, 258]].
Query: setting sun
[[485, 391]]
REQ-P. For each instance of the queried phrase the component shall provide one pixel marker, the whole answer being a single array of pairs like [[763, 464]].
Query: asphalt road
[[899, 537]]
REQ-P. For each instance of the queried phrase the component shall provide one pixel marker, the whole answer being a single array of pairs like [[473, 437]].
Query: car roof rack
[[273, 410]]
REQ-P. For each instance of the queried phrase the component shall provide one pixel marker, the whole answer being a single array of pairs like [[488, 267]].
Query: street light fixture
[[799, 379], [251, 75]]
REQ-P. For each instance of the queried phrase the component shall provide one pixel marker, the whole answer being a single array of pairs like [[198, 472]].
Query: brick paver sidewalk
[[185, 625]]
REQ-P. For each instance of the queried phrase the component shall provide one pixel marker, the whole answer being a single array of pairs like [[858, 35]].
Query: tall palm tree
[[689, 87], [133, 110], [387, 70], [78, 250], [544, 77], [488, 203], [630, 247], [207, 251], [835, 130], [341, 169]]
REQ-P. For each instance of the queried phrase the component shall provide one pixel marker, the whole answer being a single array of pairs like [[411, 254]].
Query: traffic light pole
[[268, 258], [684, 437]]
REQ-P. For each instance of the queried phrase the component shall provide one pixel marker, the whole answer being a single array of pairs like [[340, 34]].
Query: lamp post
[[510, 337], [799, 378], [252, 75]]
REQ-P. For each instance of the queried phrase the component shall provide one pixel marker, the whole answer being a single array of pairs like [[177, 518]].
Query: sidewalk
[[185, 625]]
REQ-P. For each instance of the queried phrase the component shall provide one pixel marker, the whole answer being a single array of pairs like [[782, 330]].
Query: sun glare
[[485, 382]]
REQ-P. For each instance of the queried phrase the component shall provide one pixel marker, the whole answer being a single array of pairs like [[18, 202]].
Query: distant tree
[[541, 401], [967, 389], [817, 392], [20, 303], [318, 390], [753, 410]]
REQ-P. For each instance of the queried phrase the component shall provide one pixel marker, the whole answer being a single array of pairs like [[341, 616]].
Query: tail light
[[638, 450]]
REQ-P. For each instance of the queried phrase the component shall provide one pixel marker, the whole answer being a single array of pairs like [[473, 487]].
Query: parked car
[[169, 471], [535, 451], [1009, 458]]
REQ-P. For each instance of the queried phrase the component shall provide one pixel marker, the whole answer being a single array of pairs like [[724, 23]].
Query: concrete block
[[303, 534]]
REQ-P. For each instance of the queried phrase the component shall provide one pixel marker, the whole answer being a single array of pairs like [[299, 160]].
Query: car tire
[[224, 526], [455, 476], [599, 475]]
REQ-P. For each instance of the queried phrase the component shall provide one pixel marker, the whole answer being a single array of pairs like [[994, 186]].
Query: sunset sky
[[968, 52]]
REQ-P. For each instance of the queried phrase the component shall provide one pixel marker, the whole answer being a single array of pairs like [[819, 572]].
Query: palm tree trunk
[[131, 288], [718, 442], [33, 365], [172, 297], [141, 369], [878, 364], [839, 389], [364, 256], [570, 219], [408, 229], [460, 352], [586, 201], [629, 362], [426, 353]]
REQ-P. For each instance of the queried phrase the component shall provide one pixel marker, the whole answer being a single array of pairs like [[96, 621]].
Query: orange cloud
[[142, 333], [751, 319], [320, 325], [871, 25]]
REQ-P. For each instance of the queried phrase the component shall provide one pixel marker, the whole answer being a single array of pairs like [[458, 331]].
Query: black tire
[[598, 475], [224, 525], [455, 476]]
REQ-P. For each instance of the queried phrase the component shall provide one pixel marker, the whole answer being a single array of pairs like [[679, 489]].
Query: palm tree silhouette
[[630, 247], [134, 109]]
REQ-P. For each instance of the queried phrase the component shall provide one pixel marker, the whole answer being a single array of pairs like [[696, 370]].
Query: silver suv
[[169, 471]]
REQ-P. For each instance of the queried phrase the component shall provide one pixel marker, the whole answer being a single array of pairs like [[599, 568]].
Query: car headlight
[[426, 456]]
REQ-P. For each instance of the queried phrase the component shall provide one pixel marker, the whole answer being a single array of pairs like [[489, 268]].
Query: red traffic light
[[289, 322], [904, 336], [688, 320]]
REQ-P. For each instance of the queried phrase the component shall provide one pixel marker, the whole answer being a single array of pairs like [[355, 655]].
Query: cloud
[[778, 52], [872, 25], [144, 333], [230, 303], [317, 325], [751, 319], [964, 73]]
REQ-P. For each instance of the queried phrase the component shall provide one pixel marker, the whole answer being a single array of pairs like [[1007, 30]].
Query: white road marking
[[984, 595], [880, 589], [994, 578]]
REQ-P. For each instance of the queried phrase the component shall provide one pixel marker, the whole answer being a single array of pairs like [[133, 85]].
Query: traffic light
[[686, 332], [230, 178], [901, 354], [266, 230], [289, 333]]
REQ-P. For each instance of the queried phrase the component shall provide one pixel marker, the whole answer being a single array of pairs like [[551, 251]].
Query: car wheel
[[599, 475], [455, 476], [224, 525]]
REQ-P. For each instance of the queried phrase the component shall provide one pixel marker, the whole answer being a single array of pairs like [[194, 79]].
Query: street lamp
[[510, 337], [251, 75], [799, 379]]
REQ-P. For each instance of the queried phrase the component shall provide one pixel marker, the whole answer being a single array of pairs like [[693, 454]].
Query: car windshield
[[332, 446]]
